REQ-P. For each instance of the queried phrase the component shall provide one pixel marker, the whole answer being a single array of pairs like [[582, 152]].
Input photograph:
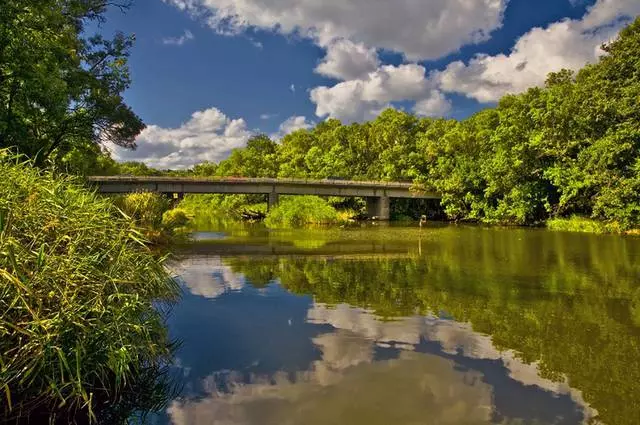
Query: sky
[[209, 74]]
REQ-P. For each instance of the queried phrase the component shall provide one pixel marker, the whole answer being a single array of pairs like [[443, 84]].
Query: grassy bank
[[585, 225], [155, 218], [80, 339]]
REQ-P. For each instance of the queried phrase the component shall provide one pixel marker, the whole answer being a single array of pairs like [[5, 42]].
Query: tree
[[59, 89]]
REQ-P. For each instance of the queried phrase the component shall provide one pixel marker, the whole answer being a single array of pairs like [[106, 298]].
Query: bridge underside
[[377, 194]]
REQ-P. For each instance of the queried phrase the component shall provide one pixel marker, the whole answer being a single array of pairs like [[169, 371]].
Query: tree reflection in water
[[438, 335]]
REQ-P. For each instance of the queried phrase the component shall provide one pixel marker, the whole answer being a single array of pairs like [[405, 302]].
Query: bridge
[[377, 194]]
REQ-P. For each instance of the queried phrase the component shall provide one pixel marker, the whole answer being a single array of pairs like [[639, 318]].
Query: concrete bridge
[[377, 194]]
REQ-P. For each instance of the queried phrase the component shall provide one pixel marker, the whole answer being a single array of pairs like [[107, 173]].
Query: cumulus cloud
[[179, 41], [346, 60], [364, 98], [435, 105], [208, 135], [566, 44], [208, 277], [331, 388], [290, 125], [418, 29]]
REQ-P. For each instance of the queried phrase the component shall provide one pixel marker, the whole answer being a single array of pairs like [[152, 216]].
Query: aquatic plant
[[81, 337]]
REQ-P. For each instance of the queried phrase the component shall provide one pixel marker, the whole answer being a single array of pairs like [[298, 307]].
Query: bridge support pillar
[[273, 200], [379, 207]]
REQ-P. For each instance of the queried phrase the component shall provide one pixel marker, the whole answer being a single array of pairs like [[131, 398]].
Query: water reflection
[[469, 331]]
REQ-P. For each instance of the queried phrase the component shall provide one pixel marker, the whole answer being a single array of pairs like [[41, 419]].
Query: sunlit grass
[[78, 327], [582, 224]]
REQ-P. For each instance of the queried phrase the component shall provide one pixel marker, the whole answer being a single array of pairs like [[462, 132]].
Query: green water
[[400, 325]]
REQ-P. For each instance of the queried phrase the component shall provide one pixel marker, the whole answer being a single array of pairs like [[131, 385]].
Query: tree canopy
[[570, 147], [60, 89]]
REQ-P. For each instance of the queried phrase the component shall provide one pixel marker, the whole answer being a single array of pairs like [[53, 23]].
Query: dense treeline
[[571, 147]]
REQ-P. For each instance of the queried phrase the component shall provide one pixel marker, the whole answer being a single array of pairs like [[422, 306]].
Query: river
[[403, 326]]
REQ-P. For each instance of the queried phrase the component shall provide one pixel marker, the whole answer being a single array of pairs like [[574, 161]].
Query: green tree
[[58, 88]]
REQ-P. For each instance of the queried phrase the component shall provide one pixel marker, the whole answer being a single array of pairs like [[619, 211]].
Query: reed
[[82, 333]]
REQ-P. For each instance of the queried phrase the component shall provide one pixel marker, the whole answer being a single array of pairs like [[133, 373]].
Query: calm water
[[395, 326]]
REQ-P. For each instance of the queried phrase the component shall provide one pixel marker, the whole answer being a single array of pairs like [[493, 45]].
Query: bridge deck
[[347, 188]]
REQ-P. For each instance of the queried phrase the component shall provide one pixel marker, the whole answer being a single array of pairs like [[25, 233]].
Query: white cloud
[[208, 277], [290, 125], [565, 44], [209, 135], [346, 60], [179, 41], [268, 116], [364, 98], [436, 105], [418, 29], [292, 87]]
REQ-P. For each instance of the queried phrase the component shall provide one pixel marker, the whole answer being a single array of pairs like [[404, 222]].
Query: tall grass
[[296, 211], [80, 339], [582, 224], [153, 215]]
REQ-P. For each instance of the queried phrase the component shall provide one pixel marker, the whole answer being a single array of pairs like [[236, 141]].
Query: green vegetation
[[80, 338], [154, 217], [60, 88], [295, 211], [581, 224], [223, 205], [569, 148]]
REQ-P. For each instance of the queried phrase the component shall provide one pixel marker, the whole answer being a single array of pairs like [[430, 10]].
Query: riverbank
[[302, 211], [587, 225]]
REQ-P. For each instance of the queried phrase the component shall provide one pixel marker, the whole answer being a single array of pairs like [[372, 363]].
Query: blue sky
[[209, 73]]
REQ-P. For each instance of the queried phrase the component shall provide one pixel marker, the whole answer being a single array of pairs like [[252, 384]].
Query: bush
[[145, 208], [298, 211], [154, 217], [175, 218], [80, 339], [582, 224]]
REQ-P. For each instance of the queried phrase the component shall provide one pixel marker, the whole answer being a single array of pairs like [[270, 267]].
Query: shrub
[[145, 208], [154, 217], [295, 211], [582, 224], [175, 218], [80, 339]]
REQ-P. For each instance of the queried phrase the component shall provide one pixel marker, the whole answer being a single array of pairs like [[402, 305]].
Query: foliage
[[153, 216], [79, 335], [61, 89], [295, 211], [570, 147], [580, 224], [133, 168], [257, 159]]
